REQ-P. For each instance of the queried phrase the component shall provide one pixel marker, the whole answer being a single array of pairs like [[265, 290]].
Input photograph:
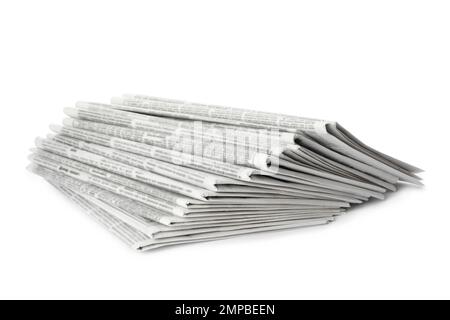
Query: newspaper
[[234, 116], [135, 141], [113, 140], [299, 174], [96, 114], [160, 199], [159, 172], [263, 140], [327, 132], [130, 159], [138, 214], [162, 236]]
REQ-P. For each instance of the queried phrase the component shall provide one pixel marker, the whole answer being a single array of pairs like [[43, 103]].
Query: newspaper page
[[161, 199], [283, 174], [319, 129]]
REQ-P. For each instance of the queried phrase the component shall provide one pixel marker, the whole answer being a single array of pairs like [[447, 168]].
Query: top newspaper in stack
[[329, 133]]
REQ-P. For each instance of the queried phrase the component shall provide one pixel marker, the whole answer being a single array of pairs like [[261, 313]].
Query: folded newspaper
[[160, 172]]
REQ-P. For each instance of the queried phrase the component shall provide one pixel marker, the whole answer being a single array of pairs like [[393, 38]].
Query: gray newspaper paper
[[160, 172]]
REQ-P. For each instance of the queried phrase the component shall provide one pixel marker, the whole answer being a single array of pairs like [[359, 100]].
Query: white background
[[381, 68]]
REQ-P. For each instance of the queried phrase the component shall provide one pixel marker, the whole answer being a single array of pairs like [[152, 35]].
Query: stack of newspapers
[[159, 172]]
